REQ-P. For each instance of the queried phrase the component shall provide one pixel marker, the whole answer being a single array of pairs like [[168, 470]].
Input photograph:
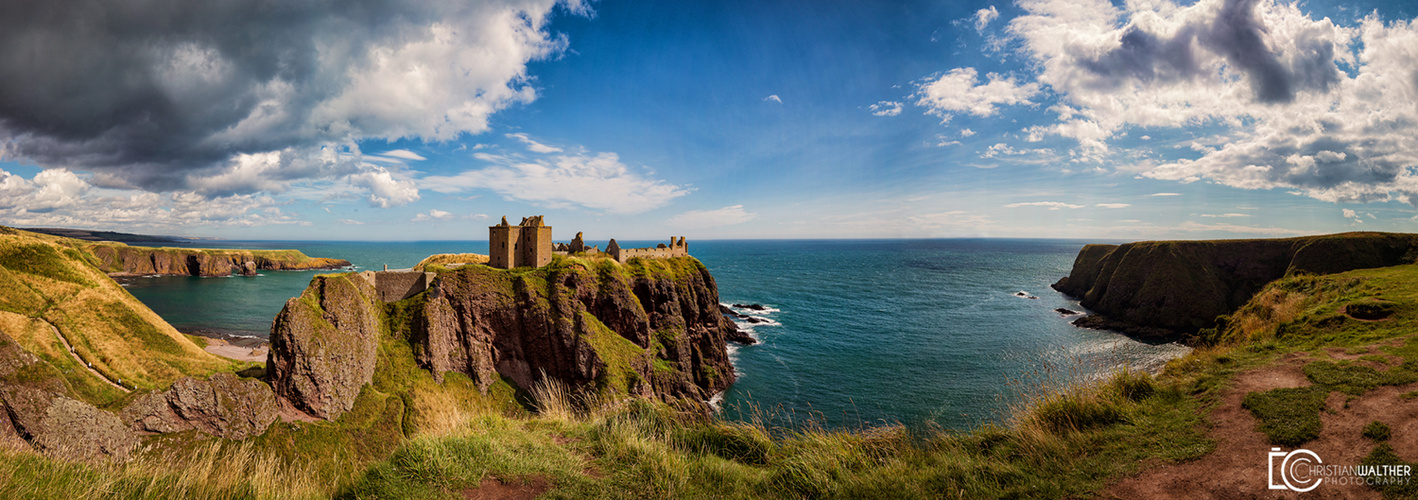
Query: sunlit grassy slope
[[49, 286]]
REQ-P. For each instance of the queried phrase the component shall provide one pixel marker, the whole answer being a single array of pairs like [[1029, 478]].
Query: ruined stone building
[[529, 244], [676, 248], [526, 244]]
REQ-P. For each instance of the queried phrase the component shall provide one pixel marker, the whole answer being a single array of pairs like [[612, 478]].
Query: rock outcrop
[[653, 330], [39, 410], [223, 405], [648, 328], [119, 259], [1160, 289], [323, 345]]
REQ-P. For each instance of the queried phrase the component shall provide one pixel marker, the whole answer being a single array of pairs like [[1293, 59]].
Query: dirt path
[[1238, 468], [81, 361]]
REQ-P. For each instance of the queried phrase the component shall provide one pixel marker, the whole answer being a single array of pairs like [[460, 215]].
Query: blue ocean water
[[856, 332]]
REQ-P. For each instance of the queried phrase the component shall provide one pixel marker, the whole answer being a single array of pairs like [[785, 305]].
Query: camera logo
[[1296, 470]]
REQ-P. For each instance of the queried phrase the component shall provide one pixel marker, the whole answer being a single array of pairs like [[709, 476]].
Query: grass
[[1377, 431], [1288, 416]]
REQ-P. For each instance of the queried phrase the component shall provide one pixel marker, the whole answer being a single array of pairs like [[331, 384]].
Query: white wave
[[764, 321]]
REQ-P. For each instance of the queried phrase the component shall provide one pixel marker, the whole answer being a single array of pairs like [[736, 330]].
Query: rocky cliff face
[[223, 405], [323, 345], [1166, 288], [652, 330], [648, 328], [123, 259]]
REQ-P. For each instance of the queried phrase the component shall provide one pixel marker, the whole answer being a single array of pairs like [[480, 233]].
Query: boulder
[[323, 345], [38, 410], [248, 268], [223, 405]]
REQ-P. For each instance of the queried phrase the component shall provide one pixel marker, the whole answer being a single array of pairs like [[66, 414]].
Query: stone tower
[[526, 244]]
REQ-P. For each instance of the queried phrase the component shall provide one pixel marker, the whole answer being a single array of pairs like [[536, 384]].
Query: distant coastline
[[94, 235]]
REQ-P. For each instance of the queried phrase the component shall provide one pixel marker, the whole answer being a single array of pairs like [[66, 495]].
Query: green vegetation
[[1377, 431], [1288, 416]]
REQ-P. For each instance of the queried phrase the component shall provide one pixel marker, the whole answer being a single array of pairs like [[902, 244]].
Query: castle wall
[[535, 245], [677, 248], [502, 244], [394, 286]]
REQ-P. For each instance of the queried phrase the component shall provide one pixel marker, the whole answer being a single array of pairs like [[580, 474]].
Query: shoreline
[[238, 347]]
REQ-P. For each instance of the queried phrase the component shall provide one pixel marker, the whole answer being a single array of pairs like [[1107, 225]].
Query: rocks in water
[[248, 268], [755, 320], [1066, 312], [752, 307], [38, 411], [723, 309], [223, 405], [323, 345], [1025, 295]]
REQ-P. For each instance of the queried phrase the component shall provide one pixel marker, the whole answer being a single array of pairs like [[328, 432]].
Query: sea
[[932, 334]]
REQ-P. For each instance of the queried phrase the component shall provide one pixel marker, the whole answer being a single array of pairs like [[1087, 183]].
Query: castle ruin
[[526, 244], [529, 244]]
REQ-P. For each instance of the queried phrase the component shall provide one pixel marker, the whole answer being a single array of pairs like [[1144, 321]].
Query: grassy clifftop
[[55, 297], [1165, 287], [119, 258]]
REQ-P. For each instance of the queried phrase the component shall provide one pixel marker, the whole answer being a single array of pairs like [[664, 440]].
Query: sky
[[385, 120]]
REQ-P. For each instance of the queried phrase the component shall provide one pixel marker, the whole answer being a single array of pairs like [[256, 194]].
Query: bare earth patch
[[256, 352], [1238, 468], [492, 489]]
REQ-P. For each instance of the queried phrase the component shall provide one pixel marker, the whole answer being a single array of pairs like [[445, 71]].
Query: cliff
[[648, 328], [121, 259], [1162, 289]]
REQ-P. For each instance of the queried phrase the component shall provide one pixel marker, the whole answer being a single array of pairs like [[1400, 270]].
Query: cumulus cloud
[[1265, 71], [885, 108], [188, 96], [385, 190], [597, 181], [960, 91], [58, 197], [1051, 205], [726, 216], [983, 18]]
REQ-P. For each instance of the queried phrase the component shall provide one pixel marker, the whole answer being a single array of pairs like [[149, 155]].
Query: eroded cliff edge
[[648, 328], [1174, 289]]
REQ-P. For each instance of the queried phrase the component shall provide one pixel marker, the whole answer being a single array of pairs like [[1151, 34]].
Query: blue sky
[[638, 120]]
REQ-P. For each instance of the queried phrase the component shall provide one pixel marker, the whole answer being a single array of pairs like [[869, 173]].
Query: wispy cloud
[[1113, 205], [534, 146], [726, 216], [596, 181], [1225, 216], [885, 108], [1051, 205], [433, 214], [773, 98], [1165, 194], [983, 18]]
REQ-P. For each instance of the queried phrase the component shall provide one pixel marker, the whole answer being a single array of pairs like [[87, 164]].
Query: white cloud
[[351, 222], [534, 146], [1113, 205], [885, 108], [1265, 71], [58, 197], [385, 190], [433, 214], [1193, 227], [1051, 205], [965, 132], [1349, 214], [1165, 194], [726, 216], [403, 154], [595, 181], [956, 92], [983, 18], [1225, 216], [773, 98]]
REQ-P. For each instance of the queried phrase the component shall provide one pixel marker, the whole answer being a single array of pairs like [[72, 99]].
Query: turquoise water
[[858, 331]]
